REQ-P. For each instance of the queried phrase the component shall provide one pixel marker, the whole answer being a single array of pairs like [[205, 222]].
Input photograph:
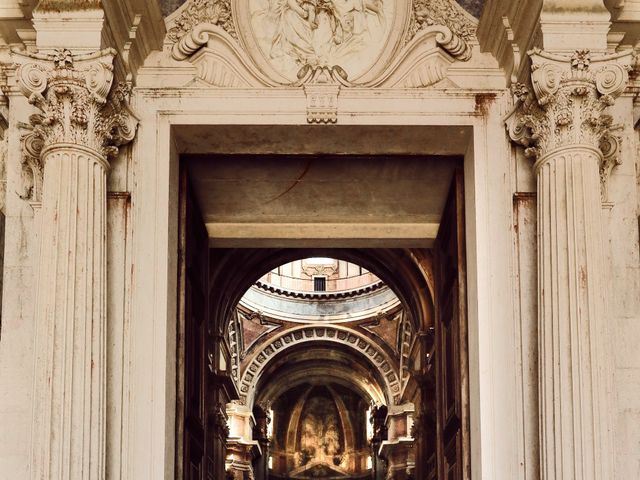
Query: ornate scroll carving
[[610, 144], [568, 105], [32, 170], [212, 12], [327, 333], [282, 39], [77, 102], [449, 13]]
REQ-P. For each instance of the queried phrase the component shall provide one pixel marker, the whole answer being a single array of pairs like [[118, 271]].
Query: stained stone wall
[[189, 82]]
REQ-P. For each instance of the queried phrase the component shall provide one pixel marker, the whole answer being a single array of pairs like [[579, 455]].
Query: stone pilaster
[[565, 127], [82, 122], [398, 449], [242, 449]]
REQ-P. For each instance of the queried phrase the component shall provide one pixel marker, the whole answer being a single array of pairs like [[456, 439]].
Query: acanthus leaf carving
[[198, 12], [568, 106], [77, 100], [427, 13], [610, 144]]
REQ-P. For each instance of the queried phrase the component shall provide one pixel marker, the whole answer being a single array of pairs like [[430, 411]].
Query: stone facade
[[101, 102]]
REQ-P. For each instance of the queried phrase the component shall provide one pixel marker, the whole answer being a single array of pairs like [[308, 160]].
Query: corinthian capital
[[78, 102], [568, 105]]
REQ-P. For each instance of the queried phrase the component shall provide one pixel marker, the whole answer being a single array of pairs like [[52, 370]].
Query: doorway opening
[[365, 377]]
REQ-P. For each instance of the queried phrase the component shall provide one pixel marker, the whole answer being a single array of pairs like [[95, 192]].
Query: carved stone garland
[[82, 121], [564, 124], [326, 333]]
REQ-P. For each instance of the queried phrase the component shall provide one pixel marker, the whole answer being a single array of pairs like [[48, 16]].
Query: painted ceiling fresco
[[320, 434], [472, 6]]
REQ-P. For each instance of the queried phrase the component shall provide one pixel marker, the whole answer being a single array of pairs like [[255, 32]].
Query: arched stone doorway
[[419, 404]]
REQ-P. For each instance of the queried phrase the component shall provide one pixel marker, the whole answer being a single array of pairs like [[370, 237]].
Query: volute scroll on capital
[[567, 106], [78, 102]]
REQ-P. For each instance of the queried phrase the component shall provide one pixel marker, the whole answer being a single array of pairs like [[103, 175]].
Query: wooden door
[[451, 339], [191, 415]]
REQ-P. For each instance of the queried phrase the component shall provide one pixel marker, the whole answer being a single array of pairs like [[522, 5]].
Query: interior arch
[[328, 335], [405, 271]]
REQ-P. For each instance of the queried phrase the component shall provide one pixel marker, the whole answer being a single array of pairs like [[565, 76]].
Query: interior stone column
[[564, 125], [82, 122]]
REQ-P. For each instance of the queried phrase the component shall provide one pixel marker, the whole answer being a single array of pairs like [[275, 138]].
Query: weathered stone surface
[[436, 88]]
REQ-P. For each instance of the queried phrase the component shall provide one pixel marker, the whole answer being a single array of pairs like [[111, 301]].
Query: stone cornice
[[78, 103], [135, 28], [567, 105]]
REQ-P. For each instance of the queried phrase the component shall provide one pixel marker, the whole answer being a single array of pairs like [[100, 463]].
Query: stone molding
[[329, 333], [78, 103], [568, 106]]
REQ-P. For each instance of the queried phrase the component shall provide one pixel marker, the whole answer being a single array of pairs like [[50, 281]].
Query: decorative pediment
[[269, 43]]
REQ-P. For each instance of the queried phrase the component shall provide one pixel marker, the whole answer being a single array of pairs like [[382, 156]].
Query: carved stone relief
[[568, 106], [31, 166], [77, 102], [426, 13], [77, 106], [214, 12], [322, 87], [294, 33], [373, 43]]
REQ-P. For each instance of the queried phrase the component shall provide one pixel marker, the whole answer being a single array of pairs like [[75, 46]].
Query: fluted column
[[564, 125], [82, 121]]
